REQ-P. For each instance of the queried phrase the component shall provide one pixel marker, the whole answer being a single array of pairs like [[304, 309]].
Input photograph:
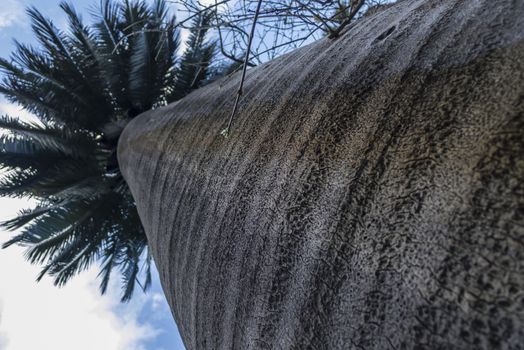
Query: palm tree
[[84, 86]]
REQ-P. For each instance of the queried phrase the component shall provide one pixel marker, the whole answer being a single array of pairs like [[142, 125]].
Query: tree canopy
[[84, 85]]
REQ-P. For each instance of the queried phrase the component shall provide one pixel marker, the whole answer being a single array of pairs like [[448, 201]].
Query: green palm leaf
[[193, 68], [25, 138], [25, 216]]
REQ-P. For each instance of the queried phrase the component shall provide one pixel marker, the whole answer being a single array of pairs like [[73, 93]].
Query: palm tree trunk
[[370, 194]]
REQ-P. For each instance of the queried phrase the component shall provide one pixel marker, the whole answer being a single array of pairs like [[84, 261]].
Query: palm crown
[[83, 86]]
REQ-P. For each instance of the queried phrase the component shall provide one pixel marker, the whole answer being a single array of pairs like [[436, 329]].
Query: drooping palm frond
[[109, 260], [83, 85], [51, 226], [124, 250], [25, 216], [130, 268], [75, 248]]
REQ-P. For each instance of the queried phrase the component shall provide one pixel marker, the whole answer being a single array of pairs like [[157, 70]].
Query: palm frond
[[25, 216], [47, 33], [28, 97], [147, 270], [48, 181], [135, 15], [141, 69], [109, 261], [37, 69], [193, 69], [83, 37], [57, 221], [107, 25], [130, 269], [26, 138], [73, 248]]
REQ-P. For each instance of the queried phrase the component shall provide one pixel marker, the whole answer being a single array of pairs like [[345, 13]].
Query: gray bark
[[370, 195]]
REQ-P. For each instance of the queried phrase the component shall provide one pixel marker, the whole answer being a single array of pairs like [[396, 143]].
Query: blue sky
[[41, 316]]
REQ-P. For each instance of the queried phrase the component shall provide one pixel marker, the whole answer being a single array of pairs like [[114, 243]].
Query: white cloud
[[15, 111], [11, 12], [157, 301], [42, 316]]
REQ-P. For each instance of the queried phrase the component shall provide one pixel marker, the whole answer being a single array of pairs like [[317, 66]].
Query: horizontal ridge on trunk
[[370, 194]]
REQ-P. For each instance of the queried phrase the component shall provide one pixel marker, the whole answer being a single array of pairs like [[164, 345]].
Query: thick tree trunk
[[370, 195]]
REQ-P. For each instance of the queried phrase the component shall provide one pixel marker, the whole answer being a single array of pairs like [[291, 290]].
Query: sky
[[41, 316]]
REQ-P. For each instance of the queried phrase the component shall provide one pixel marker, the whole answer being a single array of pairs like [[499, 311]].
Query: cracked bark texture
[[370, 195]]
